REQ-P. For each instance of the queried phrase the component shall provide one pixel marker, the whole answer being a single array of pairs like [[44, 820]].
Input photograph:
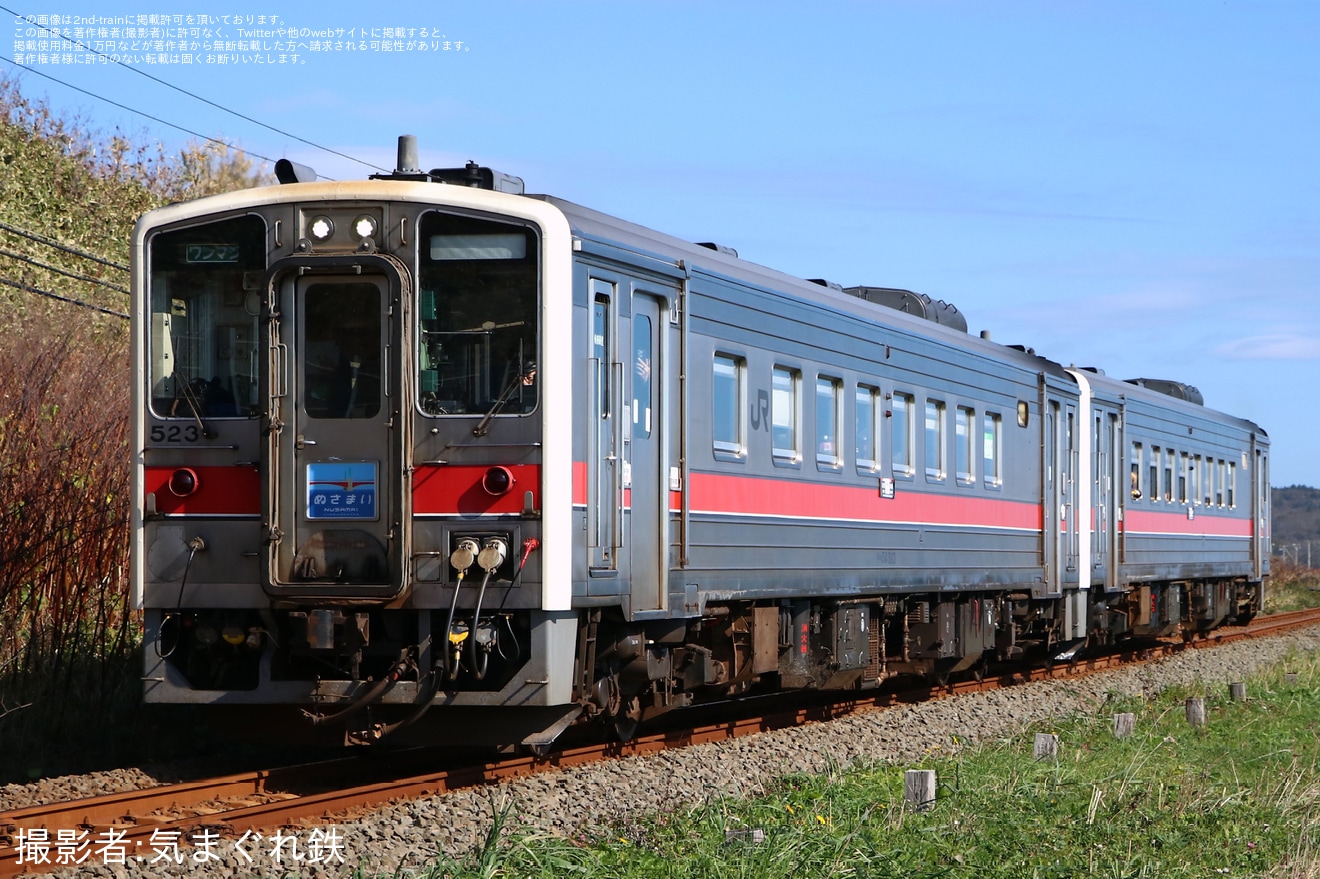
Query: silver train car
[[427, 442]]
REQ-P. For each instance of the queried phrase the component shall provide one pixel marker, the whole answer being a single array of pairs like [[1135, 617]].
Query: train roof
[[895, 309], [884, 306], [888, 307], [1169, 395]]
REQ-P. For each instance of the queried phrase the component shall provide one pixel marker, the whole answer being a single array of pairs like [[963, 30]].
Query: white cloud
[[1272, 346]]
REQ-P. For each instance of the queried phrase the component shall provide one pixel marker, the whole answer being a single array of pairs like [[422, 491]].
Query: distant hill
[[1296, 519]]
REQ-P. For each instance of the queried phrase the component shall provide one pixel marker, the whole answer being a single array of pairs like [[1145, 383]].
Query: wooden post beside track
[[1124, 725], [919, 788], [1196, 711], [1237, 691], [1290, 679], [1047, 747], [752, 836]]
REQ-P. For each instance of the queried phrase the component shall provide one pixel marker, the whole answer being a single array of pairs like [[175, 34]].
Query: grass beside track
[[1291, 587], [1237, 797]]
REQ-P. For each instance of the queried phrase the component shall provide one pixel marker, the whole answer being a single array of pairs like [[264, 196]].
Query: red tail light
[[184, 482]]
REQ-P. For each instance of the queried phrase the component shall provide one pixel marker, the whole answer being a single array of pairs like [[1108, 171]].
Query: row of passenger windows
[[977, 443], [1168, 476]]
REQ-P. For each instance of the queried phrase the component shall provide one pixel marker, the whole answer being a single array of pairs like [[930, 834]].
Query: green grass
[[1239, 797], [1291, 587]]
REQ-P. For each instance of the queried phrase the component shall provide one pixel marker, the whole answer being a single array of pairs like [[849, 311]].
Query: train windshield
[[205, 303], [477, 339]]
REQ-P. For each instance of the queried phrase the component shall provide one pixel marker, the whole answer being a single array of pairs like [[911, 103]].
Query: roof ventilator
[[1175, 389], [916, 304]]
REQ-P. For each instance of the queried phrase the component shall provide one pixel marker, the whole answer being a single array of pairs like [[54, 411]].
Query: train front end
[[352, 449]]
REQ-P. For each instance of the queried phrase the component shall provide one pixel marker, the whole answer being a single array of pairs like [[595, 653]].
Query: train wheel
[[941, 672], [625, 720]]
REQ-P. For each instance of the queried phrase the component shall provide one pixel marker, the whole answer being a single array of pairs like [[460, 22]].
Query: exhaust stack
[[408, 163]]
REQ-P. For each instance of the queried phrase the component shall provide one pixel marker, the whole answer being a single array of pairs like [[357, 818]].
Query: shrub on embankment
[[69, 197], [65, 628]]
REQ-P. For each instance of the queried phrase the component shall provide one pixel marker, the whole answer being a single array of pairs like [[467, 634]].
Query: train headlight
[[321, 228], [184, 482], [365, 226], [497, 481]]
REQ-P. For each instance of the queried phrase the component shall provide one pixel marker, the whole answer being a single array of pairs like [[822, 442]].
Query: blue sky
[[1129, 185]]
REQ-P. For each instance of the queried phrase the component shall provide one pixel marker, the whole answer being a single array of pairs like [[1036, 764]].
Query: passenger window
[[902, 440], [726, 399], [1154, 482], [1168, 475], [829, 394], [1184, 477], [935, 463], [964, 440], [1219, 485], [990, 450], [600, 346], [1134, 476], [867, 433], [641, 366], [1231, 486], [784, 413]]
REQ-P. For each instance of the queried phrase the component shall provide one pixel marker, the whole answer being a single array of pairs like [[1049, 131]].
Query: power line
[[51, 242], [59, 271], [206, 101], [28, 288], [131, 110]]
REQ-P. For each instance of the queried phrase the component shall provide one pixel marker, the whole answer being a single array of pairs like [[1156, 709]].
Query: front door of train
[[334, 494]]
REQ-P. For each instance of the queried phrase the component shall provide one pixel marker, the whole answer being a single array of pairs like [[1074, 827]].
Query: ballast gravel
[[400, 839]]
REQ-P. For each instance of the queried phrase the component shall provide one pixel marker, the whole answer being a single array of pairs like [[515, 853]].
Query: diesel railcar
[[427, 442]]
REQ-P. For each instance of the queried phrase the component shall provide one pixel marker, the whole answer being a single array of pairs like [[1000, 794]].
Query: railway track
[[159, 822]]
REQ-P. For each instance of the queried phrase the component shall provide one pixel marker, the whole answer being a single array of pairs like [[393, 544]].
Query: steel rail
[[140, 815]]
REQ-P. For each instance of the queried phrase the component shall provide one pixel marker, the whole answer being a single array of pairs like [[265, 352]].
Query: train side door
[[1260, 510], [1072, 516], [644, 445], [1057, 514], [604, 502], [334, 494], [1049, 503], [1108, 482], [1059, 450]]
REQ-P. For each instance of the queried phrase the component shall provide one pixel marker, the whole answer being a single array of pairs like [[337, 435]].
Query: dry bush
[[69, 196], [63, 549]]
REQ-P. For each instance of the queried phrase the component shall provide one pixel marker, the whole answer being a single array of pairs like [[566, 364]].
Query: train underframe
[[626, 673]]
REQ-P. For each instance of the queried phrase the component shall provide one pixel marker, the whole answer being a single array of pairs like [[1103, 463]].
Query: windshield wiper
[[525, 375], [190, 398]]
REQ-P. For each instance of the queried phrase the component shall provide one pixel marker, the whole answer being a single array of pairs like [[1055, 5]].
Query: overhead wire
[[207, 138], [51, 242], [78, 252], [59, 271], [141, 113], [48, 294], [184, 91]]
